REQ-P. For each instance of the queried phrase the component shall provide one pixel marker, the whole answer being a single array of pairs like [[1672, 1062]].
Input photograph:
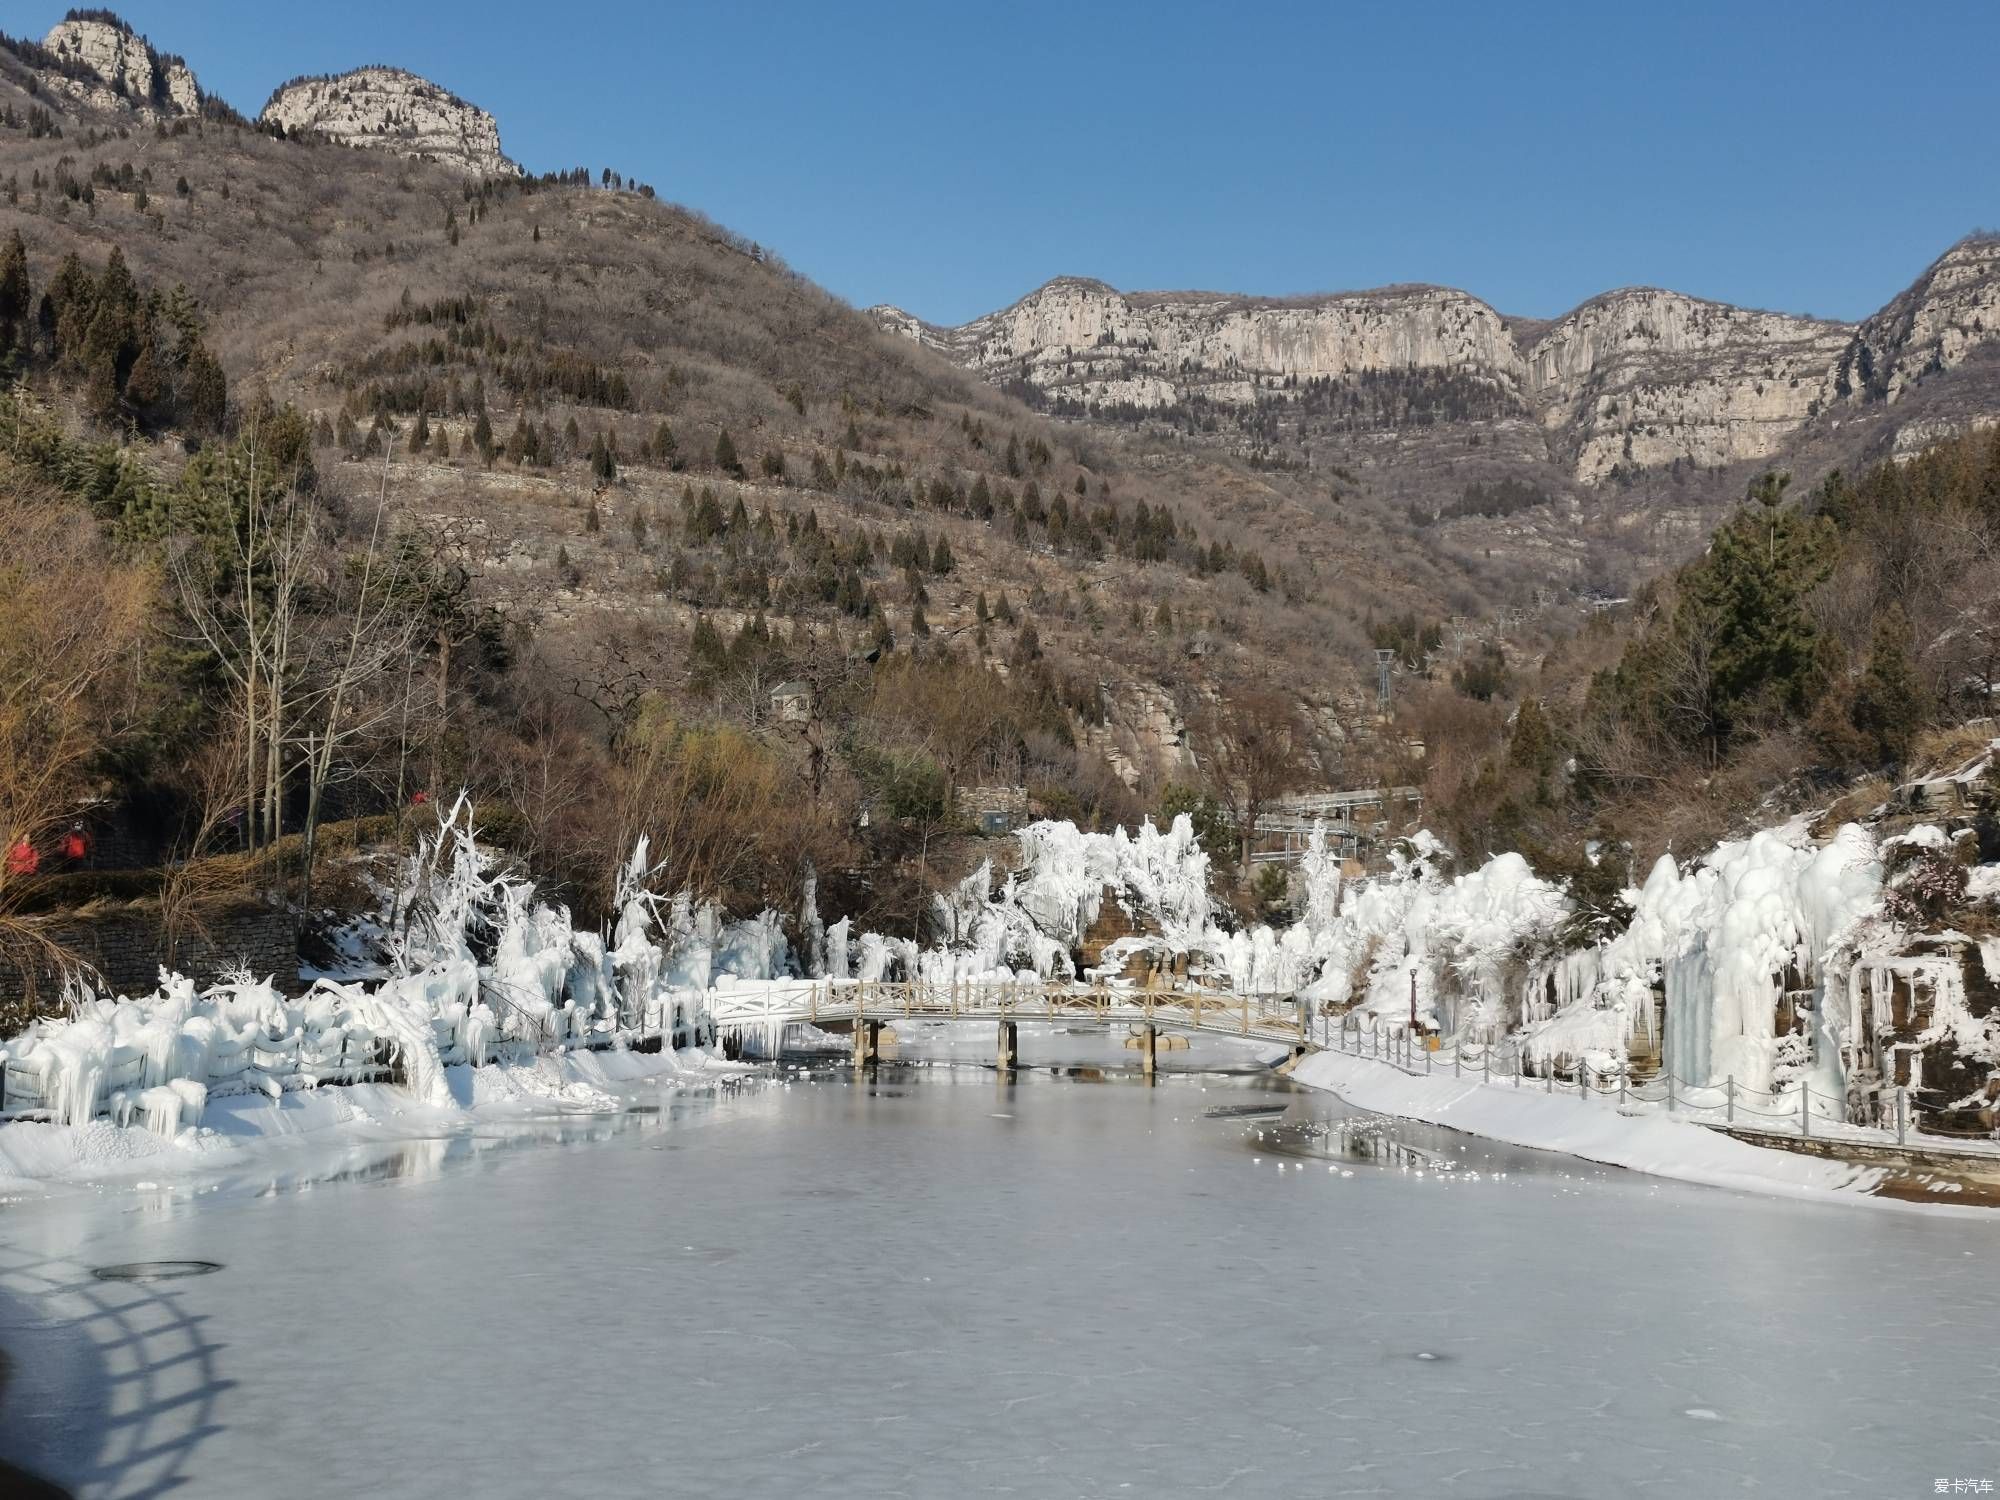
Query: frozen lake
[[937, 1282]]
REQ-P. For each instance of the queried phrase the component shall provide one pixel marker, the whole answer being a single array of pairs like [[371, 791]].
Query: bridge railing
[[1893, 1116], [1276, 1017]]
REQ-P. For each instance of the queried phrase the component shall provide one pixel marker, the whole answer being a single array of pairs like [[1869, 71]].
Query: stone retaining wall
[[127, 947]]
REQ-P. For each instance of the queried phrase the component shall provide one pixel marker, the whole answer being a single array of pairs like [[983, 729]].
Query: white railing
[[1799, 1111], [811, 1002]]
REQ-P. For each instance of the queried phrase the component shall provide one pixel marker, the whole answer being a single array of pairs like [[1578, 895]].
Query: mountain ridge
[[1701, 367], [96, 58], [1148, 296], [1178, 514]]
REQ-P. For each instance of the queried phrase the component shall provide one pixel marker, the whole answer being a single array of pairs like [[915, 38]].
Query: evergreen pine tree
[[204, 391], [850, 598], [1746, 601], [1890, 701], [1533, 745], [16, 296], [146, 386]]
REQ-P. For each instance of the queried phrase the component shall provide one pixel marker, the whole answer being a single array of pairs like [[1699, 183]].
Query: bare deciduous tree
[[72, 629], [1256, 754]]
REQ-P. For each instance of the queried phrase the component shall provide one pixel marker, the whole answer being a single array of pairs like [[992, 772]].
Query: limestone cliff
[[1948, 317], [1087, 342], [104, 63], [1635, 380], [387, 109], [1643, 378]]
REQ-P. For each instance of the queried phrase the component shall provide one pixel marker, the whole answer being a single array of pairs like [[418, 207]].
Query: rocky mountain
[[638, 428], [1633, 382], [1939, 324], [388, 109], [97, 59], [1179, 491]]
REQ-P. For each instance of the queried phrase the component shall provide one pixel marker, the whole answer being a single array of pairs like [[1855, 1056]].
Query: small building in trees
[[791, 703]]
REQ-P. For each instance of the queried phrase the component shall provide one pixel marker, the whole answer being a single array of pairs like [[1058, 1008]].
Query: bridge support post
[[867, 1041], [1149, 1038], [1008, 1047]]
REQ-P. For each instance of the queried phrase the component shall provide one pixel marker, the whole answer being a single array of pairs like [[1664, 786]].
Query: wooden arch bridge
[[866, 1006]]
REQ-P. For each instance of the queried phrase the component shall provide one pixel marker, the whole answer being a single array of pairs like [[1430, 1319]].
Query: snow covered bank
[[1775, 967], [1653, 1144], [237, 1130], [461, 968]]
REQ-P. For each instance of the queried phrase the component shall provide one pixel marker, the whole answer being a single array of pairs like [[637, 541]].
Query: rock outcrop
[[388, 109], [1951, 314], [1645, 378], [105, 64], [1087, 342], [1635, 380]]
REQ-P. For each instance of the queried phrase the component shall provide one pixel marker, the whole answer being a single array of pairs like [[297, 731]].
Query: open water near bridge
[[935, 1281]]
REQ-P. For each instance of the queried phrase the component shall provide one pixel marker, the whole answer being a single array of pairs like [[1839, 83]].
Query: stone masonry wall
[[127, 947]]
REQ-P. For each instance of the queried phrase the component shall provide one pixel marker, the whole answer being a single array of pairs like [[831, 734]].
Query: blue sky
[[948, 158]]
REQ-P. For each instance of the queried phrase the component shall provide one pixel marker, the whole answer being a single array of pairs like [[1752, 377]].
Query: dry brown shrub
[[72, 624]]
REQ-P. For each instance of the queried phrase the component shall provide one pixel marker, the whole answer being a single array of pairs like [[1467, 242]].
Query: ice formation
[[1163, 876], [1767, 961], [1718, 956], [419, 1000]]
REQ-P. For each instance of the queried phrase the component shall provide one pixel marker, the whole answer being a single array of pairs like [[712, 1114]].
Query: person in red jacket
[[23, 860]]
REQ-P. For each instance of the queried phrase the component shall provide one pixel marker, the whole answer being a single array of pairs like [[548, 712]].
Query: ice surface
[[936, 1283]]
